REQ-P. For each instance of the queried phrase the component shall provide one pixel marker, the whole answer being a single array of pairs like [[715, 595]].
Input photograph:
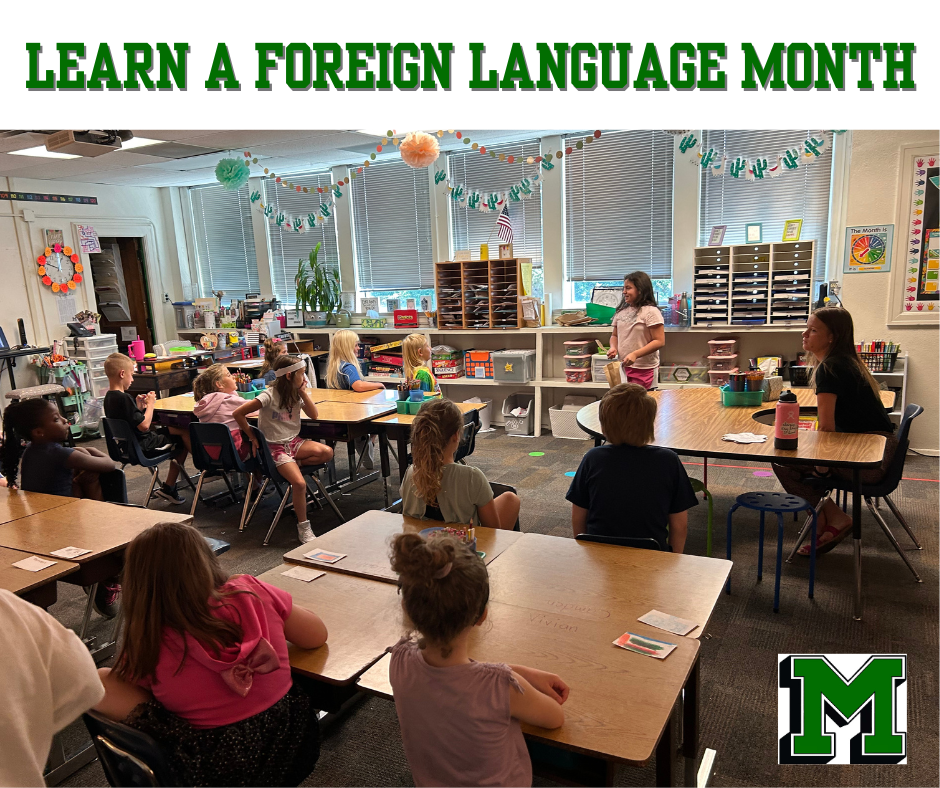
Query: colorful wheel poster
[[868, 249]]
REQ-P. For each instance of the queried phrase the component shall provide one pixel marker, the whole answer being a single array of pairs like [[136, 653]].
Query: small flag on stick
[[504, 226]]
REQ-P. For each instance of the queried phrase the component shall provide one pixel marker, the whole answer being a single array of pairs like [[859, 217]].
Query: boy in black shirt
[[118, 404]]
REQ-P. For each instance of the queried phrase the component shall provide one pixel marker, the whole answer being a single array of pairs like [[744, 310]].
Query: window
[[618, 209], [391, 205], [581, 291], [287, 247], [402, 296], [225, 242], [800, 194], [469, 228]]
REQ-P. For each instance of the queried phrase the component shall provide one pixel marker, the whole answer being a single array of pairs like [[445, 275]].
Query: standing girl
[[435, 487], [460, 718], [273, 350], [342, 371], [279, 421], [416, 352], [203, 666], [638, 332]]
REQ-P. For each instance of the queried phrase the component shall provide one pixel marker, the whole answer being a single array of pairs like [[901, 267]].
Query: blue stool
[[780, 503]]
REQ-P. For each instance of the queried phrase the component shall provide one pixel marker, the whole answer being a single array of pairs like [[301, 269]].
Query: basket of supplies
[[518, 414], [564, 418]]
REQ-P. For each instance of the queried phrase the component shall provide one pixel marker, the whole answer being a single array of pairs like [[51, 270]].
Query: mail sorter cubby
[[479, 293]]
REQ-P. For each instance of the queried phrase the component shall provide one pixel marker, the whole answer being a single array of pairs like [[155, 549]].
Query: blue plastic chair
[[780, 504], [123, 447], [216, 439], [128, 756]]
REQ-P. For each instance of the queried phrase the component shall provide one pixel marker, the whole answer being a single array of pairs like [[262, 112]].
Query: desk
[[10, 355], [165, 380], [363, 618], [16, 504], [385, 396], [36, 587], [248, 363], [692, 421], [366, 540]]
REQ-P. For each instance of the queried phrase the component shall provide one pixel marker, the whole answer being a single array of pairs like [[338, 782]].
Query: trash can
[[522, 424]]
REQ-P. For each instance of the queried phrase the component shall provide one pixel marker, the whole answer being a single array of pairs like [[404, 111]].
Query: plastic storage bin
[[580, 347], [722, 347], [479, 363], [598, 362], [564, 418], [723, 362], [578, 375], [683, 373], [514, 366], [185, 314], [518, 425], [799, 376], [578, 362], [732, 399], [718, 377]]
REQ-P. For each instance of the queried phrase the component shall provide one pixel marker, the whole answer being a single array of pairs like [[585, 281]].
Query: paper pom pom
[[42, 270], [79, 267], [232, 174], [77, 277], [47, 280], [57, 248], [419, 150], [74, 258], [41, 259], [67, 250]]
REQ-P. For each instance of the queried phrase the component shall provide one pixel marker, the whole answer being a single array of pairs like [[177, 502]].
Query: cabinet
[[479, 294]]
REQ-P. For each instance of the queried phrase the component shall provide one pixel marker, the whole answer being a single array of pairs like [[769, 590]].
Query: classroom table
[[692, 421], [366, 541], [248, 363], [36, 587], [16, 504], [377, 397], [167, 380]]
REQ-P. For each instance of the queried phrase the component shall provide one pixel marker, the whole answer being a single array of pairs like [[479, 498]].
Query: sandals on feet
[[837, 536]]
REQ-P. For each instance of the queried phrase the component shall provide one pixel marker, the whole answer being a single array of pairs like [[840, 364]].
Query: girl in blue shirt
[[342, 372]]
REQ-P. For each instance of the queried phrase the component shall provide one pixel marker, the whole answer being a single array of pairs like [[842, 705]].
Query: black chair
[[262, 465], [128, 756], [468, 438], [640, 542], [883, 489], [207, 440], [497, 488]]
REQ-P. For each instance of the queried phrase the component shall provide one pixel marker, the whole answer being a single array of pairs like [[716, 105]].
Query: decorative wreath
[[57, 254]]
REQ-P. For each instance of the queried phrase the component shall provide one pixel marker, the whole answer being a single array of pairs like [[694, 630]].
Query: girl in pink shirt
[[460, 718], [638, 331], [216, 401], [203, 666]]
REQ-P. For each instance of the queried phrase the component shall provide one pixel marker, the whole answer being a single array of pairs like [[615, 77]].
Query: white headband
[[287, 370]]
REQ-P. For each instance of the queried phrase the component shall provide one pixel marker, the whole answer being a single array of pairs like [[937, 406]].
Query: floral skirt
[[279, 746]]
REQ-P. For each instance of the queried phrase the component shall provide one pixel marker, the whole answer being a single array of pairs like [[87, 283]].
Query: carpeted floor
[[739, 649]]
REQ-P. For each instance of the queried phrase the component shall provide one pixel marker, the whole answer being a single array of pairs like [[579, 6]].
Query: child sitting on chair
[[661, 491], [274, 348], [416, 353], [216, 402]]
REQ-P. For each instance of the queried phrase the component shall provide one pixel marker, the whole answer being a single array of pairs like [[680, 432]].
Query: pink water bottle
[[787, 422]]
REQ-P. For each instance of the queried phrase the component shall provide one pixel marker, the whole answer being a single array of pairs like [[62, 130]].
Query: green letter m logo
[[817, 689]]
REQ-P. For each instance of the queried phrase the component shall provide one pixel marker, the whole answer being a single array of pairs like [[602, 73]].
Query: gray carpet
[[739, 650]]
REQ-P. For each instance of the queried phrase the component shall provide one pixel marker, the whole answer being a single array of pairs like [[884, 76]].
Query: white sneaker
[[304, 532]]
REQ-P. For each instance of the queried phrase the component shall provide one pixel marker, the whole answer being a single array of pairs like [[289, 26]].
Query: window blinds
[[225, 243], [391, 206], [468, 227], [287, 247], [797, 194], [618, 206]]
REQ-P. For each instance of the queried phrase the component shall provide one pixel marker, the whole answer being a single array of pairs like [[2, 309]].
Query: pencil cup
[[416, 395]]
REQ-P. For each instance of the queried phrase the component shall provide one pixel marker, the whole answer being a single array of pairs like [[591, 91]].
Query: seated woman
[[848, 400]]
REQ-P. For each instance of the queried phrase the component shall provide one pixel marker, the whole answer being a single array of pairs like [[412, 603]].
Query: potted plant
[[317, 288]]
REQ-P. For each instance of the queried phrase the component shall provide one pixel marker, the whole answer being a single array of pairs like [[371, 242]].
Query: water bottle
[[787, 422]]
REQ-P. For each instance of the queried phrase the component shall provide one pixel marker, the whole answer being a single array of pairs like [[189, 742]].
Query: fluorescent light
[[40, 150], [137, 142]]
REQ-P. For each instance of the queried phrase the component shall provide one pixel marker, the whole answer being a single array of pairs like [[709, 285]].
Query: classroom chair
[[129, 757], [639, 542], [123, 447], [468, 438], [498, 489], [214, 454], [263, 466], [780, 504], [883, 489], [699, 487]]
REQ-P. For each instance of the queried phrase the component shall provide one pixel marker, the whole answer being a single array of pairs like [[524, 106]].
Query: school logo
[[842, 708]]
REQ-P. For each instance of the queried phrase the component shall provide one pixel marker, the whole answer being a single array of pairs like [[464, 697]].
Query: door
[[121, 291]]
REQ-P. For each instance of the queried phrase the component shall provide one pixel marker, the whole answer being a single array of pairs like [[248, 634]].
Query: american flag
[[504, 226]]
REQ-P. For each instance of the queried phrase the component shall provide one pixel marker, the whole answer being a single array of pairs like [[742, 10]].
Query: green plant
[[317, 286]]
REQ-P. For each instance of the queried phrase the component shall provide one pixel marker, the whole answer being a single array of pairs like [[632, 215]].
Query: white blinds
[[392, 227], [618, 206], [799, 194], [225, 244], [288, 247], [469, 228]]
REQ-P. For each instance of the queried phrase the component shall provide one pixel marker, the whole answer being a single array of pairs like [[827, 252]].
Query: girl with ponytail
[[437, 488]]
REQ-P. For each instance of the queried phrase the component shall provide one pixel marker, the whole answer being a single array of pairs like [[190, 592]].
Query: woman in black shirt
[[848, 400]]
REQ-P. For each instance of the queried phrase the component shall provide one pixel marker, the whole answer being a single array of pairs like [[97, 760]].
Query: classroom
[[606, 363]]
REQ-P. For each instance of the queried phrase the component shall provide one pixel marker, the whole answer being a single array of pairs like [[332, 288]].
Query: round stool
[[780, 504]]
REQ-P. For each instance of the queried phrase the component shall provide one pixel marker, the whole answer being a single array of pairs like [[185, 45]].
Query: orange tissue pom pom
[[419, 149], [67, 250]]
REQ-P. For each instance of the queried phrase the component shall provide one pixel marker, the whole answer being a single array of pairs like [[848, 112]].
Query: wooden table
[[692, 421], [36, 587], [168, 380], [16, 504], [248, 363], [383, 397], [366, 541], [363, 618]]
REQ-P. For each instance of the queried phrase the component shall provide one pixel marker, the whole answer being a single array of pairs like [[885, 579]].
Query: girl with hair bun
[[437, 488], [460, 719]]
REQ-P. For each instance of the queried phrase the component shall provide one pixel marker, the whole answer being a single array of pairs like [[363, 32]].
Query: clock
[[60, 268]]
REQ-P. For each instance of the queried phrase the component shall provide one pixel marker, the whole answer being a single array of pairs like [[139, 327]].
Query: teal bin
[[738, 399]]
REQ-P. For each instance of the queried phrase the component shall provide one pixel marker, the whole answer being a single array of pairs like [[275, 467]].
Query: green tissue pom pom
[[232, 174]]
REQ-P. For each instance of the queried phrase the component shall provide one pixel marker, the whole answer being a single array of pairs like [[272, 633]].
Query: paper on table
[[70, 552], [324, 556], [674, 624], [304, 573], [644, 645], [744, 437], [33, 564]]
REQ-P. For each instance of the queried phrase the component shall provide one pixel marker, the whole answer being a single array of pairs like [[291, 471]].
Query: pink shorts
[[645, 377], [283, 453]]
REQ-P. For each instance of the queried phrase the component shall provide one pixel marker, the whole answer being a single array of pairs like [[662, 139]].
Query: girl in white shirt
[[638, 332]]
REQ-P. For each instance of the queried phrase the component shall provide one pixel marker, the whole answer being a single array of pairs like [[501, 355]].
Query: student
[[203, 666], [629, 488], [216, 402], [279, 421], [138, 413], [638, 331], [342, 370], [274, 348], [435, 487], [48, 466], [49, 679], [848, 400], [460, 719], [416, 352]]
